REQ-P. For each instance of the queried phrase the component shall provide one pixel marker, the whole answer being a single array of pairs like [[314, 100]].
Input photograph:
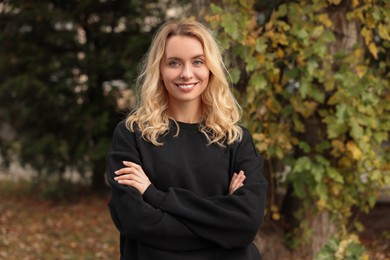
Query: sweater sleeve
[[230, 220], [134, 217]]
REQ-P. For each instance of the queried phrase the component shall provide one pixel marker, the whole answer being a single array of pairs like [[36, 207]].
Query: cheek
[[204, 75], [168, 75]]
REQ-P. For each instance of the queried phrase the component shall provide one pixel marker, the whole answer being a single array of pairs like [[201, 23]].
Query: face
[[184, 70]]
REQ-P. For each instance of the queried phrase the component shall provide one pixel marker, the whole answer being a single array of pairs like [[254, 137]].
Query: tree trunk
[[347, 35], [270, 239]]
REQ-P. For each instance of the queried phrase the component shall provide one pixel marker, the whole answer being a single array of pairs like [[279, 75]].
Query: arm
[[229, 220], [133, 175], [136, 218]]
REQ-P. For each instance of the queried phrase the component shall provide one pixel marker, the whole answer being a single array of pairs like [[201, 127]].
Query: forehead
[[183, 47]]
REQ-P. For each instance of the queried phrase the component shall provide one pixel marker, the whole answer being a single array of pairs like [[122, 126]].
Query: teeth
[[186, 86]]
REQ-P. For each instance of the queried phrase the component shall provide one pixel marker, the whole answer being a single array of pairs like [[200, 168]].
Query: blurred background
[[311, 76]]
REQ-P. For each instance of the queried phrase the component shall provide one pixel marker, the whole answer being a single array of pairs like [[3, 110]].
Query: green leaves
[[317, 96]]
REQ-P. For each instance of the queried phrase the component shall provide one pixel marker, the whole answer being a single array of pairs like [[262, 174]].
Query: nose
[[186, 72]]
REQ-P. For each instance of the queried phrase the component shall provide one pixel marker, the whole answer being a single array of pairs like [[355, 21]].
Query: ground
[[376, 233], [81, 228], [33, 228]]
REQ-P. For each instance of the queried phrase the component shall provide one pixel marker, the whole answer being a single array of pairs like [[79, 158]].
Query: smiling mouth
[[186, 86]]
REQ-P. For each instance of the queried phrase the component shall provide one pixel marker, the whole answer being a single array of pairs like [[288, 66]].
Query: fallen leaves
[[34, 229]]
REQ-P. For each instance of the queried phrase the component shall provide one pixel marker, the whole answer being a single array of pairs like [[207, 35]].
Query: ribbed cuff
[[153, 196]]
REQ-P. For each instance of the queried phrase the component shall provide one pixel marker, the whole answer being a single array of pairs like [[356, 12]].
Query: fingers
[[238, 178], [130, 168], [132, 175], [237, 181]]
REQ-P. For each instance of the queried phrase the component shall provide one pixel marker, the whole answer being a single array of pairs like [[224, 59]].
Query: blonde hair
[[221, 112]]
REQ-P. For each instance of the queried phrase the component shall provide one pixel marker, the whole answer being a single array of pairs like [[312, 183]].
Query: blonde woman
[[186, 178]]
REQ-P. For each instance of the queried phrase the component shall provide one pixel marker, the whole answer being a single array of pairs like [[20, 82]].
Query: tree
[[64, 65], [313, 79]]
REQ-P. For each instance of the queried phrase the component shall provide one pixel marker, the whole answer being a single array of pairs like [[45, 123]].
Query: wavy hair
[[221, 112]]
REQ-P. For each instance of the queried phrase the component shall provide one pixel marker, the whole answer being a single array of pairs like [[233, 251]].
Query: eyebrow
[[195, 57]]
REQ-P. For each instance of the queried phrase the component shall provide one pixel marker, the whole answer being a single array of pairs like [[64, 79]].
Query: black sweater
[[187, 212]]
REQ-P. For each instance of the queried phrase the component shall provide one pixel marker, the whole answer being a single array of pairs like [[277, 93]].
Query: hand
[[237, 181], [133, 175]]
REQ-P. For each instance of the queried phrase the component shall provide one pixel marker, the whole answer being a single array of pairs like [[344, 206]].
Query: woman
[[186, 178]]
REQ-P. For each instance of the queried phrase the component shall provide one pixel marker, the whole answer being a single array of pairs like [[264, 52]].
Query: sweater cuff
[[153, 196]]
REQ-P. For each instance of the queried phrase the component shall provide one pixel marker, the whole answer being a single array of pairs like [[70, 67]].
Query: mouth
[[186, 86]]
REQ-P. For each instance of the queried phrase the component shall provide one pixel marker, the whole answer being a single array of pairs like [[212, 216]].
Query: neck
[[186, 113]]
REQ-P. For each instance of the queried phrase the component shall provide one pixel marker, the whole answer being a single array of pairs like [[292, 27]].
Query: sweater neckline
[[183, 125]]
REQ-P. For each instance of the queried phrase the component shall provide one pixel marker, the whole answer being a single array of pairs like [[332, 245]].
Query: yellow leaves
[[343, 246], [300, 60], [318, 30], [373, 50], [335, 2], [370, 21], [321, 204], [360, 71], [345, 162], [278, 88], [329, 84], [270, 34], [324, 19], [268, 26], [358, 53], [338, 147], [262, 141], [280, 53], [335, 99], [278, 38], [375, 176], [274, 34], [274, 77], [213, 18], [383, 32], [250, 40], [336, 189], [273, 105], [275, 212], [306, 108], [367, 34], [260, 58], [275, 137], [275, 216], [252, 24], [302, 51], [354, 149]]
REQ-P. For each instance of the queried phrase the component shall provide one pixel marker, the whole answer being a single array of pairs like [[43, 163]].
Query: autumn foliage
[[313, 79]]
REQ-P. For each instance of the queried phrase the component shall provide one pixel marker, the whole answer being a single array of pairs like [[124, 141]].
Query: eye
[[173, 63], [198, 62]]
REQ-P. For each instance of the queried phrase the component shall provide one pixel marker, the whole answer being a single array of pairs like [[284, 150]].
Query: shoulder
[[122, 131], [124, 127], [245, 131], [246, 142], [121, 127], [245, 135]]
